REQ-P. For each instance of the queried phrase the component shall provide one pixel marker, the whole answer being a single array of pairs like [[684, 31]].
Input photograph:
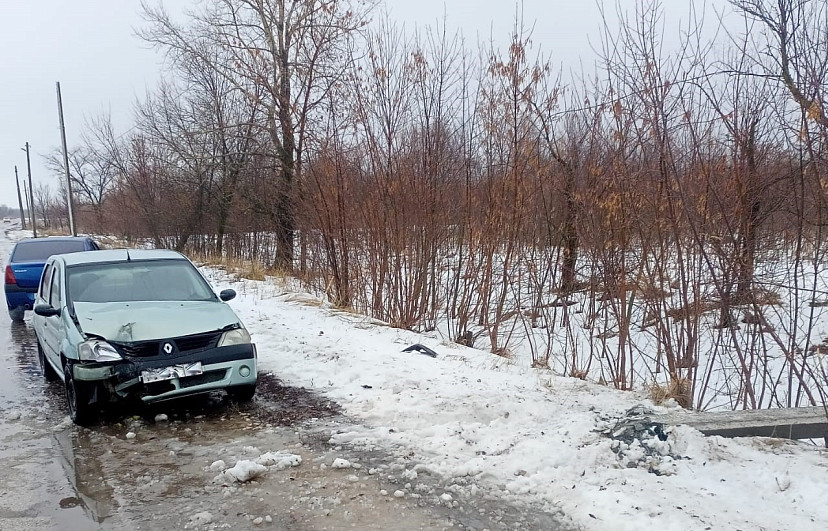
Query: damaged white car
[[140, 323]]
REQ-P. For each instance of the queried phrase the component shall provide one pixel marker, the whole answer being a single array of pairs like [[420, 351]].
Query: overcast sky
[[90, 47]]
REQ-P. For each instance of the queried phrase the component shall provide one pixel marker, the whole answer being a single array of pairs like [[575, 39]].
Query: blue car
[[25, 267]]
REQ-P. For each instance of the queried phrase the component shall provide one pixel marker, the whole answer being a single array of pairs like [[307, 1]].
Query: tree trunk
[[750, 218], [285, 215], [570, 235]]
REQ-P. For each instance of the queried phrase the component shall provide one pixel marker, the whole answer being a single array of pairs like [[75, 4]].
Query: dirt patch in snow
[[282, 405]]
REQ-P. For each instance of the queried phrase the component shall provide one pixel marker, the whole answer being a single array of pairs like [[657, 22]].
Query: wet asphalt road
[[57, 476]]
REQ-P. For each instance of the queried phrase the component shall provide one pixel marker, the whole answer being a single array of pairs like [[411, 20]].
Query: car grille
[[201, 379], [138, 350], [191, 343], [157, 388], [197, 341]]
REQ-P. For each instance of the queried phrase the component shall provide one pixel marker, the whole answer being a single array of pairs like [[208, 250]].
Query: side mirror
[[46, 310], [227, 295]]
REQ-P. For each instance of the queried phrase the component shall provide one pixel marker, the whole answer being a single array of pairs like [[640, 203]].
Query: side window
[[44, 282], [54, 291]]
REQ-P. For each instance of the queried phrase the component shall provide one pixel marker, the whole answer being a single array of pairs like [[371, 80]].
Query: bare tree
[[287, 55], [92, 173], [797, 46]]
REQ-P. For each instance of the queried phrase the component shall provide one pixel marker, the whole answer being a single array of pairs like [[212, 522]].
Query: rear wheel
[[77, 397], [241, 393], [46, 369], [17, 314]]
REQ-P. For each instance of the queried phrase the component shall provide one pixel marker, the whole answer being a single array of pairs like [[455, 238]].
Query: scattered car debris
[[422, 349], [637, 422], [641, 442]]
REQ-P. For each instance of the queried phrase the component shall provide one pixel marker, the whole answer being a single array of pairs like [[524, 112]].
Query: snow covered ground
[[489, 425], [494, 427]]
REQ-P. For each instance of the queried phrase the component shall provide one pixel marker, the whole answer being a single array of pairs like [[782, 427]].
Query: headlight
[[239, 336], [97, 350]]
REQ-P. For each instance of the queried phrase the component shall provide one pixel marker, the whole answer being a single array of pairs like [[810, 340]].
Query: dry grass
[[693, 310], [760, 297], [578, 373], [51, 231], [642, 289], [649, 292], [766, 297], [820, 348], [678, 389], [247, 269], [503, 352]]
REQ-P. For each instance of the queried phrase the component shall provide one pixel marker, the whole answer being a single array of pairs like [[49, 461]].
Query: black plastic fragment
[[421, 349]]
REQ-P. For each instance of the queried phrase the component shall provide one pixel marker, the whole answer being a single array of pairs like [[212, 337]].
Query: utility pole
[[31, 193], [19, 200], [26, 195], [66, 163]]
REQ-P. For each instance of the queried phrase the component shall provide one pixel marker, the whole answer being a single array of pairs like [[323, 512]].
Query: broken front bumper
[[222, 367]]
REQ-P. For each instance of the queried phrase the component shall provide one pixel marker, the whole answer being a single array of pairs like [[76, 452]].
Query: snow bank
[[489, 426]]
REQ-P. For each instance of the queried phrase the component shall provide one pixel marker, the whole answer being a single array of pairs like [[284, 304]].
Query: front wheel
[[242, 393], [77, 397], [46, 369]]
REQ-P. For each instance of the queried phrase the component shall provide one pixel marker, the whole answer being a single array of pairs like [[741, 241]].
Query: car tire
[[77, 397], [46, 369], [241, 393], [17, 314]]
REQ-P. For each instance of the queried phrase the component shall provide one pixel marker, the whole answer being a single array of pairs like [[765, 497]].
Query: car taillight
[[10, 276]]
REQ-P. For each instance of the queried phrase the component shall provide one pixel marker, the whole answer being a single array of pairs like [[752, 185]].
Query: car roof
[[119, 255], [48, 239]]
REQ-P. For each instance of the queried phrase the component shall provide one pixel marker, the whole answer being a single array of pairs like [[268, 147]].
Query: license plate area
[[172, 372]]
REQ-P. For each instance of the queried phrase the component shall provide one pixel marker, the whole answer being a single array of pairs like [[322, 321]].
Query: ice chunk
[[280, 459], [242, 471], [200, 519]]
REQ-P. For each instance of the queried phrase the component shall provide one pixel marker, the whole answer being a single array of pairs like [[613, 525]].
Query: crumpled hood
[[142, 321]]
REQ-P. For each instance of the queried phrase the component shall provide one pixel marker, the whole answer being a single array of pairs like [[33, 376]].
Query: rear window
[[39, 251]]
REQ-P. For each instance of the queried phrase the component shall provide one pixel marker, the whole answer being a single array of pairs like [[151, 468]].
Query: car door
[[52, 326], [42, 297]]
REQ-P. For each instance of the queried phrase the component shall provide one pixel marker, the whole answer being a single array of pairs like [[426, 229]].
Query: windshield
[[145, 280], [40, 250]]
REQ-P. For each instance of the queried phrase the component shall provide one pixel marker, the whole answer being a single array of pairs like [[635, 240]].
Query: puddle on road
[[26, 352]]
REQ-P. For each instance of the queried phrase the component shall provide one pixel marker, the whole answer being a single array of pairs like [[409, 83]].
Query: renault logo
[[168, 348]]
